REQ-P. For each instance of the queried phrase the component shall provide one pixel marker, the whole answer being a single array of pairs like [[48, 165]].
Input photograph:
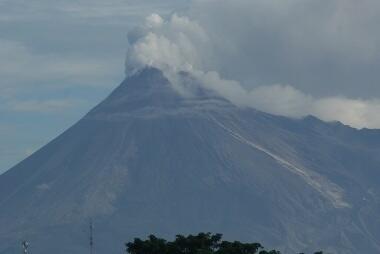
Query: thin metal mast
[[91, 237]]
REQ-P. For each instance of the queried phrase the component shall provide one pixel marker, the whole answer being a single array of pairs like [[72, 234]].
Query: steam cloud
[[195, 45]]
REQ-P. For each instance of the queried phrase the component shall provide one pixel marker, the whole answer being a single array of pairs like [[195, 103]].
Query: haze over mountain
[[153, 159]]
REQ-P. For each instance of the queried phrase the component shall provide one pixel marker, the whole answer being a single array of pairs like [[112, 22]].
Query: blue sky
[[57, 60]]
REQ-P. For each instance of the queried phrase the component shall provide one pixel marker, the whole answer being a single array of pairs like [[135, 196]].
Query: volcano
[[150, 160]]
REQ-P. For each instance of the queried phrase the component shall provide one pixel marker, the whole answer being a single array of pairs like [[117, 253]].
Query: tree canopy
[[203, 243]]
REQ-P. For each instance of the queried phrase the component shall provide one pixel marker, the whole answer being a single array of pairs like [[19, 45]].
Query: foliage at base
[[203, 243]]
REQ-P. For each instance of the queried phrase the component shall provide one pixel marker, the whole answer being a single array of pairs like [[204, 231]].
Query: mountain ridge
[[178, 164]]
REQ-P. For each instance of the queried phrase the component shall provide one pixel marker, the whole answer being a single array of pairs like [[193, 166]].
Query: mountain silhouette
[[151, 159]]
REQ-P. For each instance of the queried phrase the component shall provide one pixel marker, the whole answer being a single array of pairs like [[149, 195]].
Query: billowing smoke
[[246, 51], [170, 45]]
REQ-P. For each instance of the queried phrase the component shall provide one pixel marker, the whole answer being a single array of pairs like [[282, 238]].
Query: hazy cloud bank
[[289, 58]]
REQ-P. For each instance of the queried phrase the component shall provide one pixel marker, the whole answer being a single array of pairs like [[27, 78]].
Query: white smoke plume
[[180, 43], [166, 44]]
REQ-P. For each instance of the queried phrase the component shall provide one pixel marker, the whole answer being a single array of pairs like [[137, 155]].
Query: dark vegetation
[[203, 243]]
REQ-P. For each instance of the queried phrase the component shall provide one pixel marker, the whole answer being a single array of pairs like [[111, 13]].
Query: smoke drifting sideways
[[181, 44]]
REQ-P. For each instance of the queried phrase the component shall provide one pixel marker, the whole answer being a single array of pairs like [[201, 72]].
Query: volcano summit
[[151, 160]]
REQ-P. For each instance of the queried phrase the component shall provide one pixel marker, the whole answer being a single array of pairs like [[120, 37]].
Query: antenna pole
[[91, 237]]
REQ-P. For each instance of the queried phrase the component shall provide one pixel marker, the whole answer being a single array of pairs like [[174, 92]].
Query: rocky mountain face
[[149, 160]]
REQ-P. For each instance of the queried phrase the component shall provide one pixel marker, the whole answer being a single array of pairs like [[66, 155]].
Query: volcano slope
[[148, 160]]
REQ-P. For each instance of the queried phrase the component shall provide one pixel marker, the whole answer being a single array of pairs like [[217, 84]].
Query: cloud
[[43, 106], [180, 43], [83, 9], [323, 47], [20, 65], [357, 113], [37, 82], [288, 101], [170, 44]]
